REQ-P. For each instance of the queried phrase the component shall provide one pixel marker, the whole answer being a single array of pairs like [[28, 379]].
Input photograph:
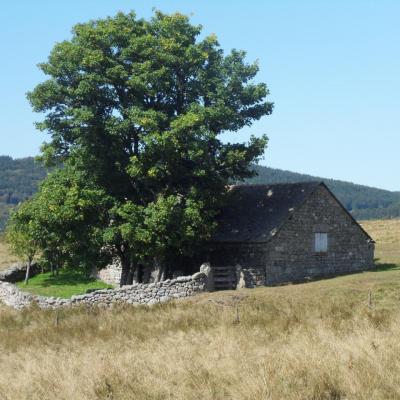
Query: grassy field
[[65, 285], [6, 258], [331, 339], [386, 233]]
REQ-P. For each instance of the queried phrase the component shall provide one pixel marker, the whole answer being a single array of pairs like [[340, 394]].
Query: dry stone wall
[[16, 272], [139, 293]]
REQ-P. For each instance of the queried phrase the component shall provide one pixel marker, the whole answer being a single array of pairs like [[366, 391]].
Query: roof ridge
[[278, 183]]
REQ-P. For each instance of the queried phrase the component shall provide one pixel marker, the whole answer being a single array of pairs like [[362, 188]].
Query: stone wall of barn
[[290, 255]]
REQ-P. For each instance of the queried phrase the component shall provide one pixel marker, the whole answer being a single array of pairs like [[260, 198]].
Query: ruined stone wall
[[291, 255], [153, 293], [17, 272], [111, 274]]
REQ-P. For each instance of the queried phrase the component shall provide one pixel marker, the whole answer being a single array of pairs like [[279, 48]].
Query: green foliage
[[70, 212], [122, 85], [169, 226], [137, 107], [22, 231], [63, 222], [68, 283]]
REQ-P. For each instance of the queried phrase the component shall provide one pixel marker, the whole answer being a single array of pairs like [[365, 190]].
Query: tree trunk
[[131, 275], [125, 269], [127, 275], [161, 270], [28, 271], [163, 273], [128, 270]]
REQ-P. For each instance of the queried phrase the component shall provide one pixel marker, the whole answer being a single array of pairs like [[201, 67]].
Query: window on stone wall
[[321, 242]]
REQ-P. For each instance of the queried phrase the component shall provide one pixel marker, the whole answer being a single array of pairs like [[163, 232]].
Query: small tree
[[21, 234], [63, 222], [70, 213]]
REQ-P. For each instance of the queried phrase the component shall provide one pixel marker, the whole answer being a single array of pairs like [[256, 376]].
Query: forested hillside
[[19, 179]]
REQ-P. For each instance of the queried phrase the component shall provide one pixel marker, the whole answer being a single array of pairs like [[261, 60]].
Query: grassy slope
[[6, 258], [67, 284], [319, 340], [386, 233]]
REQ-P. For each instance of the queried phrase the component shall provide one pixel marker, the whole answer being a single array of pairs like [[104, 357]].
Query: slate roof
[[254, 213]]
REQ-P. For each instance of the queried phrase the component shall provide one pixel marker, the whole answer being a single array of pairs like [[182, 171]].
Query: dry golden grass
[[314, 341], [386, 233], [6, 257], [321, 340]]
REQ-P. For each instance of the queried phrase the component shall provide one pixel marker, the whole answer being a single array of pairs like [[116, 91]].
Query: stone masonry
[[289, 255], [111, 274]]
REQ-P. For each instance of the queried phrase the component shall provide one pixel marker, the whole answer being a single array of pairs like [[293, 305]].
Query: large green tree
[[140, 106]]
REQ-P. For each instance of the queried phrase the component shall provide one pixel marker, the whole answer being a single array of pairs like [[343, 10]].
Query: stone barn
[[276, 234]]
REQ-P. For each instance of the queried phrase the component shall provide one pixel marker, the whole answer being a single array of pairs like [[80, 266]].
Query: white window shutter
[[324, 242], [317, 242], [321, 242]]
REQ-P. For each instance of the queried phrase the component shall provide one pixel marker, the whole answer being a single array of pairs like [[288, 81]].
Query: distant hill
[[19, 179]]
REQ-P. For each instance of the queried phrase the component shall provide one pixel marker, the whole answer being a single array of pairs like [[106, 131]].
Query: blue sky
[[333, 69]]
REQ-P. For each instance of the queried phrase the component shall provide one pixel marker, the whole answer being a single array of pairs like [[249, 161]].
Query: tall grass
[[319, 340], [332, 339]]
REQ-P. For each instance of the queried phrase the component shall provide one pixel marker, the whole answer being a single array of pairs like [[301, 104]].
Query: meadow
[[6, 257], [330, 339], [68, 283], [386, 233]]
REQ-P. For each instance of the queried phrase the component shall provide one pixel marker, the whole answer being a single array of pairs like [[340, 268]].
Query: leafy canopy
[[139, 107], [62, 223], [22, 232]]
